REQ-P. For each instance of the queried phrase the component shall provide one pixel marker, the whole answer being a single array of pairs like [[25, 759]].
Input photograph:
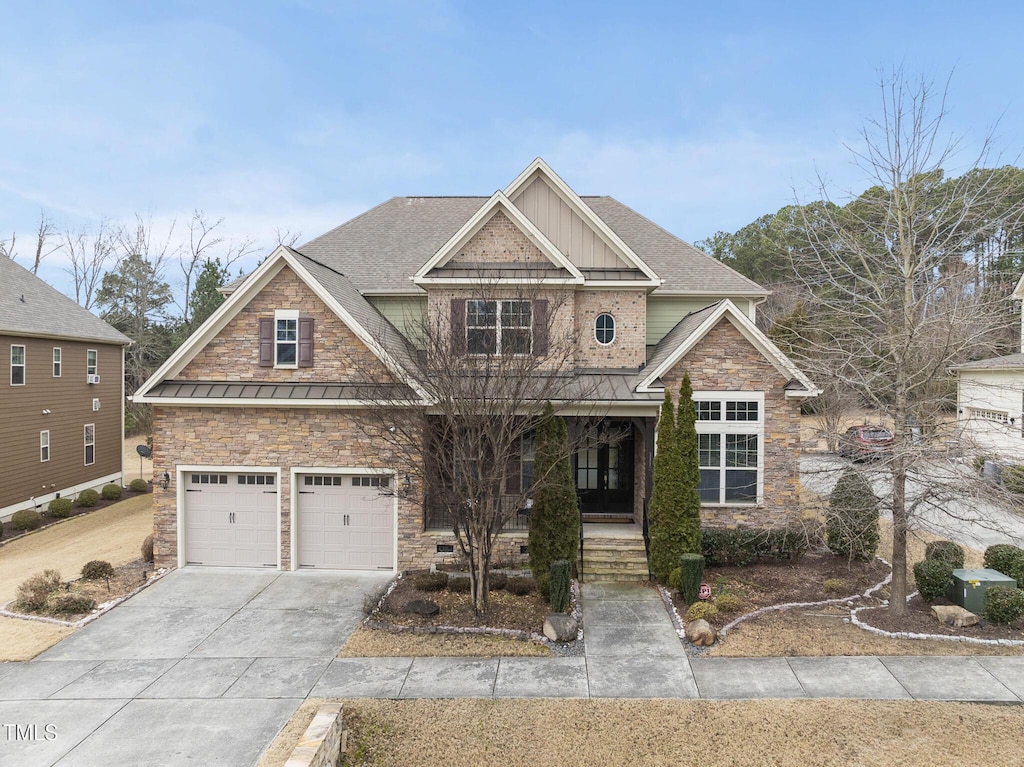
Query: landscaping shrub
[[933, 577], [36, 589], [675, 579], [520, 586], [461, 585], [727, 602], [835, 586], [60, 508], [138, 485], [555, 517], [691, 568], [96, 569], [147, 549], [701, 611], [88, 499], [544, 586], [431, 581], [26, 519], [745, 545], [1005, 558], [851, 522], [111, 493], [945, 551], [497, 581], [559, 585], [1013, 478], [70, 603], [1003, 604]]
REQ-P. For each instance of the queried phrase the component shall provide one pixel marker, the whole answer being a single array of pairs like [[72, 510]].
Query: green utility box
[[969, 586]]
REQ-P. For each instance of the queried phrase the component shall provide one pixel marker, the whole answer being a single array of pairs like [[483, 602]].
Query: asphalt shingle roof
[[28, 306], [1007, 362]]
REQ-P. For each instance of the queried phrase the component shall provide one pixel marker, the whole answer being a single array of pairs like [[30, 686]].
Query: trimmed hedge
[[945, 551], [743, 546], [88, 499], [111, 493], [430, 581], [60, 508], [520, 586], [1003, 604], [26, 519], [933, 577]]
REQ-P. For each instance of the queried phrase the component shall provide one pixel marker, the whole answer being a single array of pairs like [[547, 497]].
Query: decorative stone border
[[97, 611], [320, 745], [912, 635]]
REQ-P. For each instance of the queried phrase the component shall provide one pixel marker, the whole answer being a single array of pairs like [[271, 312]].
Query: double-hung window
[[499, 327], [44, 446], [56, 362], [286, 338], [90, 444], [17, 365], [91, 362], [730, 442]]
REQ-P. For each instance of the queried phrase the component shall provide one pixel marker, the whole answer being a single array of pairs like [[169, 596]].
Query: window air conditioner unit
[[93, 378]]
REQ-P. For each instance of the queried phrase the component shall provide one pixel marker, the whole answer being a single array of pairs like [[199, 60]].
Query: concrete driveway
[[203, 667]]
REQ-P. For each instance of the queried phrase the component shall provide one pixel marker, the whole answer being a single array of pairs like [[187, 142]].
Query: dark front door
[[604, 473]]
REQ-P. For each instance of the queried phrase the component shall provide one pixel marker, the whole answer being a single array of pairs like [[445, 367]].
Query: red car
[[865, 441]]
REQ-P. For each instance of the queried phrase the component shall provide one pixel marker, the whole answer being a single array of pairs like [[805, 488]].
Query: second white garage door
[[345, 522]]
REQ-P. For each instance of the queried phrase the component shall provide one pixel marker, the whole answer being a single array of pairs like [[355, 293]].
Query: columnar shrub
[[851, 523], [687, 445], [111, 493], [933, 577], [666, 496], [1003, 604], [147, 549], [691, 574], [88, 498], [554, 518], [60, 508], [945, 551], [26, 519], [559, 585], [36, 589]]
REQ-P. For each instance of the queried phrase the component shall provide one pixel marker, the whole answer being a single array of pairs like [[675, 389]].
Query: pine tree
[[666, 496], [554, 518], [686, 444]]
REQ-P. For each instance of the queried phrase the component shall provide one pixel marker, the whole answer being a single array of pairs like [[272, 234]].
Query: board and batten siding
[[69, 399], [406, 313], [663, 313]]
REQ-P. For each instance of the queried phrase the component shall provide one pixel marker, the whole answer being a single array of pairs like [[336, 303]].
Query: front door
[[604, 473]]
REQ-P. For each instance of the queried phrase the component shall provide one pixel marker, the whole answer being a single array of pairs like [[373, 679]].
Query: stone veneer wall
[[338, 356], [629, 308], [499, 241], [283, 438], [725, 361]]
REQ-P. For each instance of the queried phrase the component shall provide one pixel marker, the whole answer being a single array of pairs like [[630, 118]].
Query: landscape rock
[[700, 633], [422, 607], [954, 615], [560, 628]]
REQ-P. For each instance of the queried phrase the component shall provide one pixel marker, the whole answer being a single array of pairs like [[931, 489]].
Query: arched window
[[604, 328]]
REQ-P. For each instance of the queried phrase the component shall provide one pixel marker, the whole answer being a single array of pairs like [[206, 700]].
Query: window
[[209, 479], [729, 450], [91, 362], [17, 365], [90, 444], [526, 457], [989, 415], [499, 327], [56, 362], [604, 329], [44, 446], [286, 339], [256, 479]]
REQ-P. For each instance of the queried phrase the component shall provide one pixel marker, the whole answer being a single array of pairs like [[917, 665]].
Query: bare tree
[[202, 241], [7, 247], [44, 245], [88, 254], [287, 237], [483, 369], [890, 295]]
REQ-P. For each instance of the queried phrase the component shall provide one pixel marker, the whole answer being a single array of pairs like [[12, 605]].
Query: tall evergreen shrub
[[666, 496], [554, 518], [686, 442], [851, 523]]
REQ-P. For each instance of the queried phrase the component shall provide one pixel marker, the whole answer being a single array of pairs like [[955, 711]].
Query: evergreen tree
[[205, 297], [666, 496], [554, 518], [686, 444]]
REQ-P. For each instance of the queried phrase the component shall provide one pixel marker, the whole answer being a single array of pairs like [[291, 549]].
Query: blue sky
[[299, 115]]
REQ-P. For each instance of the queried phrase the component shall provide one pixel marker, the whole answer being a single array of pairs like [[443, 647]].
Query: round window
[[604, 328]]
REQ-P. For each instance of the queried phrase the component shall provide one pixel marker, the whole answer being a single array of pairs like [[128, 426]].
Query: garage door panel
[[231, 519], [345, 522]]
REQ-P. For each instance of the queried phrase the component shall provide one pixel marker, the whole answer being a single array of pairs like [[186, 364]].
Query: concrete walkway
[[206, 666]]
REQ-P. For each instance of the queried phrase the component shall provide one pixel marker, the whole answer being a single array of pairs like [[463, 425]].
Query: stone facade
[[338, 355], [725, 361], [629, 309], [499, 241]]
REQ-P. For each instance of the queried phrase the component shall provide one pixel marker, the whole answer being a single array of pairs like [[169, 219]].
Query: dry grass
[[468, 733], [24, 640], [376, 643], [277, 753]]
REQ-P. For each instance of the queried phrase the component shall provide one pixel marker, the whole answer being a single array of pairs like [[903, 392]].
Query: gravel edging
[[100, 609]]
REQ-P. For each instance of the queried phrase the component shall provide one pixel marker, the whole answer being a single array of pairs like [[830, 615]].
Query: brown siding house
[[61, 394]]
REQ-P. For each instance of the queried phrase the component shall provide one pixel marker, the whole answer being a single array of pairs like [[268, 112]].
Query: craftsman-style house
[[256, 415]]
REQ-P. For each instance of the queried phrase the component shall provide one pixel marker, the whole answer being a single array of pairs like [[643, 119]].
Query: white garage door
[[231, 519], [345, 522]]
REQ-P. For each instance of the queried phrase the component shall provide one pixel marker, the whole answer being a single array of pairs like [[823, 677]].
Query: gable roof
[[694, 326], [30, 307], [1006, 362], [332, 287], [497, 202]]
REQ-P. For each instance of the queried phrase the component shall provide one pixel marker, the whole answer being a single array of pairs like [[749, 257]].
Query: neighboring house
[[990, 401], [61, 411], [256, 415]]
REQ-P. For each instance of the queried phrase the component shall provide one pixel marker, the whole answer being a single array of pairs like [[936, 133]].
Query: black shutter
[[540, 327], [266, 326], [305, 342], [458, 322]]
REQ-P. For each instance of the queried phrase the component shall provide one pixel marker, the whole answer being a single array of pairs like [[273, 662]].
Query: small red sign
[[704, 592]]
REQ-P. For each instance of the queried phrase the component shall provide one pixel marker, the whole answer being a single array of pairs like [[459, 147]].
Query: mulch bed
[[507, 611], [125, 580], [10, 533], [919, 620]]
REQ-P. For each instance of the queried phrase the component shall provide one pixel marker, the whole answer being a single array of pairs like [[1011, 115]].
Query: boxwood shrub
[[945, 551], [60, 508], [96, 569], [88, 498], [1005, 558], [111, 492], [138, 485], [745, 545], [933, 577], [1003, 604], [26, 519]]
